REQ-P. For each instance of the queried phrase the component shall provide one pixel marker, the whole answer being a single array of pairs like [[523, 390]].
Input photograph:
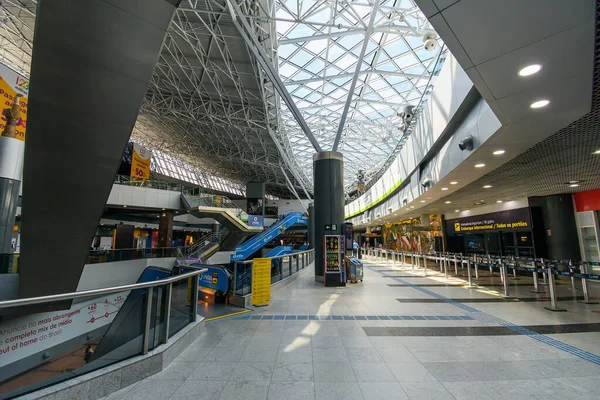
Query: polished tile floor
[[322, 343]]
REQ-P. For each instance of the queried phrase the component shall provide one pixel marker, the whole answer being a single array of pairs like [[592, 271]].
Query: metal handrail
[[87, 293]]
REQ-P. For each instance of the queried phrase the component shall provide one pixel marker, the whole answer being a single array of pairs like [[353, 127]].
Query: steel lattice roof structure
[[248, 90]]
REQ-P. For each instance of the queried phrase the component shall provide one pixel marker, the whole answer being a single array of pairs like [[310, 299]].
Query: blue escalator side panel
[[259, 241], [215, 277], [279, 251]]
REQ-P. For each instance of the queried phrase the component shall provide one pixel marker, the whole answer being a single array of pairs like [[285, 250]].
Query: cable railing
[[102, 327]]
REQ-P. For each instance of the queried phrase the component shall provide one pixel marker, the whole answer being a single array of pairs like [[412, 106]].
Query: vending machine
[[334, 262]]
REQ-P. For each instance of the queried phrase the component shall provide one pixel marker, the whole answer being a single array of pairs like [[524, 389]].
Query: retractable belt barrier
[[548, 268]]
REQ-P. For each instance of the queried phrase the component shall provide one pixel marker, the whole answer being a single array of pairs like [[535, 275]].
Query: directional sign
[[331, 227], [261, 281]]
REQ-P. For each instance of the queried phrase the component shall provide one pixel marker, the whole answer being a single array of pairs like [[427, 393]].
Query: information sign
[[261, 281], [140, 162]]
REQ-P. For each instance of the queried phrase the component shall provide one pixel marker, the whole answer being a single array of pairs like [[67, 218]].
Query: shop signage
[[14, 90], [261, 281], [255, 220], [501, 220], [140, 162]]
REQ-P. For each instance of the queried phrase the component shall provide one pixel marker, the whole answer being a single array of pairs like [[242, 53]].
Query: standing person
[[355, 249]]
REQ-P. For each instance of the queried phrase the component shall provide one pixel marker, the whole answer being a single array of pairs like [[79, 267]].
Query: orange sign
[[11, 85]]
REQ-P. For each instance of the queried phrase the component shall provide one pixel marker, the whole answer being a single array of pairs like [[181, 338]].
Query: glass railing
[[281, 268], [9, 263], [103, 256], [99, 328]]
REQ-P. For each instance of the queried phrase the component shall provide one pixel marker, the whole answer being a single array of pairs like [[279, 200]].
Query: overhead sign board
[[255, 220], [502, 220]]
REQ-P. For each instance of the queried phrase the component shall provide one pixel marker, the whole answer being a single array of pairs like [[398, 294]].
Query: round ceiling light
[[498, 201], [574, 185], [444, 188], [448, 202], [456, 210], [480, 165], [596, 152], [540, 104], [499, 152], [454, 183], [487, 186], [530, 70]]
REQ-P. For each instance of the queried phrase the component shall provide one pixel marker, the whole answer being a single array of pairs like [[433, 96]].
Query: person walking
[[355, 249]]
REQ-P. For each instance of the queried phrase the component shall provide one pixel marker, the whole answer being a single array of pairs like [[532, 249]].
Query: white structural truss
[[248, 90]]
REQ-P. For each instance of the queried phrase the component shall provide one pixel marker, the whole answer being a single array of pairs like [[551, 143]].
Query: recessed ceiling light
[[499, 152], [422, 201], [448, 202], [574, 182], [596, 152], [456, 210], [540, 104], [412, 206], [574, 185], [444, 188], [480, 165], [124, 206], [454, 183], [487, 186], [530, 70], [498, 201]]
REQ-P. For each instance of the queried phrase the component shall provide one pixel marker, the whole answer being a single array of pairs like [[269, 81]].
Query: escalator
[[259, 241]]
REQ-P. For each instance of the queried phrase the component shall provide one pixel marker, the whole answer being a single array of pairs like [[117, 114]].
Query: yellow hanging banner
[[14, 90], [140, 162], [261, 281]]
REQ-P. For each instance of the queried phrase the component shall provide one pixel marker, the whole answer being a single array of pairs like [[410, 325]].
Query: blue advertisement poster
[[255, 220]]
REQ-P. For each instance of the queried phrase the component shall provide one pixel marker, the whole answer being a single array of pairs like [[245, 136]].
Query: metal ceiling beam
[[396, 30], [254, 45], [348, 75]]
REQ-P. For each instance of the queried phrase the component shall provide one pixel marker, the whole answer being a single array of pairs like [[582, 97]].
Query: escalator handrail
[[94, 292], [275, 226]]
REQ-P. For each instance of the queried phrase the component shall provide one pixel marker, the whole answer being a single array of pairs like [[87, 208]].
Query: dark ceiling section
[[548, 167], [92, 61]]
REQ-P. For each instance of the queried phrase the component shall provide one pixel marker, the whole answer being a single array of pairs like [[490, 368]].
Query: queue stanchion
[[469, 274], [442, 263], [424, 266], [536, 284], [412, 260], [544, 274], [446, 267], [551, 285], [572, 277], [455, 265], [585, 286], [504, 271]]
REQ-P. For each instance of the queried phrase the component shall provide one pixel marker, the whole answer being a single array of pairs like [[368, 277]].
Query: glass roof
[[320, 44]]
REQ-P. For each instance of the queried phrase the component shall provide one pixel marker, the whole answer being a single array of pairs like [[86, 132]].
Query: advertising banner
[[254, 206], [14, 92], [261, 281], [28, 335], [510, 219], [140, 162], [255, 220]]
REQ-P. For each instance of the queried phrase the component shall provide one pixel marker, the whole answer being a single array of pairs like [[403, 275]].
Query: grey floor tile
[[225, 354], [363, 354], [470, 390], [398, 354], [334, 372], [248, 390], [386, 341], [338, 391], [119, 394], [426, 391], [252, 371], [327, 341], [199, 390], [293, 372], [411, 372], [213, 371], [373, 372], [291, 391], [152, 390], [176, 371], [294, 354], [356, 341], [382, 391], [450, 372], [330, 355], [261, 354]]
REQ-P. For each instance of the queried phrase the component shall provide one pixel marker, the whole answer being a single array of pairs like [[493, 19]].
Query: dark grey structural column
[[328, 177], [311, 226], [92, 61]]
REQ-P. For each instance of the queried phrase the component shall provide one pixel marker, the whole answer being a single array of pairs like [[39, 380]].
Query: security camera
[[430, 44], [409, 113], [426, 182], [405, 201], [466, 143]]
